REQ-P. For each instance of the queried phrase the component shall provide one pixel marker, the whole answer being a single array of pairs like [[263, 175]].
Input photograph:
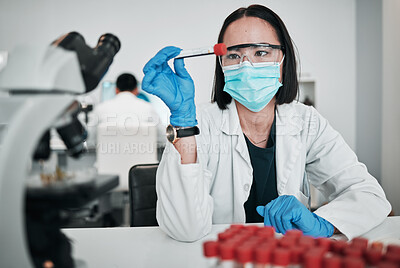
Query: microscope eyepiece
[[94, 62], [108, 43]]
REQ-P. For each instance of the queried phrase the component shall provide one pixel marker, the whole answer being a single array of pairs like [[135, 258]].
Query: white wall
[[323, 30], [391, 107], [369, 84]]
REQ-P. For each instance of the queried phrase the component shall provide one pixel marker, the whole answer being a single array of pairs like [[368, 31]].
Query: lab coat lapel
[[231, 126], [242, 169], [288, 145]]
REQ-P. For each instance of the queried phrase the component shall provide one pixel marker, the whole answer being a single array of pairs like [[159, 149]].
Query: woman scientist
[[258, 149]]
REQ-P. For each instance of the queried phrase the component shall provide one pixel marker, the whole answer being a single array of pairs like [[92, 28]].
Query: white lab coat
[[192, 197], [124, 109]]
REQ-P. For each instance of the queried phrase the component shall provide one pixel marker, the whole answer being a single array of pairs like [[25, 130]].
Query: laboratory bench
[[150, 247]]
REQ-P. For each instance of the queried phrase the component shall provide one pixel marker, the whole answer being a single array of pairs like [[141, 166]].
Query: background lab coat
[[194, 196], [125, 108]]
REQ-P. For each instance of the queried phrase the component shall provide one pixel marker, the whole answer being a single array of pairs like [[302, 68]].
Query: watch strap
[[187, 132]]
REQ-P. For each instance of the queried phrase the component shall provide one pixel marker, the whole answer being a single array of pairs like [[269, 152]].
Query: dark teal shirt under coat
[[264, 187]]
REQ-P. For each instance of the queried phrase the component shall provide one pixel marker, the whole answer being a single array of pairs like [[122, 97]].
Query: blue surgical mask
[[253, 85]]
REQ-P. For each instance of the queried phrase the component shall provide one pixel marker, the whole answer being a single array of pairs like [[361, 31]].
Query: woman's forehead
[[250, 30]]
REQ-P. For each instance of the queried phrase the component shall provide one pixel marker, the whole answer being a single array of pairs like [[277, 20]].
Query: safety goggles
[[257, 54]]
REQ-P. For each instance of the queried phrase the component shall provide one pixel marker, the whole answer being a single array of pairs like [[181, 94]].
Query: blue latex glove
[[176, 90], [286, 213]]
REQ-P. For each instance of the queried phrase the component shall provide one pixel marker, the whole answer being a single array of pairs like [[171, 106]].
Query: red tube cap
[[281, 256], [393, 248], [353, 252], [210, 249], [332, 261], [294, 232], [266, 232], [287, 242], [226, 251], [338, 246], [386, 265], [359, 242], [373, 256], [306, 241], [296, 255], [220, 49], [263, 255], [350, 262], [244, 254], [324, 243]]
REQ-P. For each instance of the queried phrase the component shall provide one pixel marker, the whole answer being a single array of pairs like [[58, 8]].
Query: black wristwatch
[[175, 133]]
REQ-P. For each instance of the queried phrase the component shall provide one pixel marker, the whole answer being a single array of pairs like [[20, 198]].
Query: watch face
[[170, 133]]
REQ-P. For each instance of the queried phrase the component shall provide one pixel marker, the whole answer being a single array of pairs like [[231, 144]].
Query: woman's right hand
[[175, 89]]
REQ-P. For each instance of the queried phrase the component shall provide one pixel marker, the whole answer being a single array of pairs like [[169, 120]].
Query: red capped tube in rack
[[332, 261], [210, 250], [351, 262], [244, 254], [263, 255], [287, 242], [294, 233], [359, 242], [266, 232], [306, 241], [353, 251], [280, 257], [313, 258], [393, 248], [324, 242], [373, 256], [386, 265], [338, 246], [296, 256], [377, 245], [226, 251]]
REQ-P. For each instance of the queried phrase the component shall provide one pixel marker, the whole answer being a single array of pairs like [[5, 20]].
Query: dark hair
[[126, 82], [288, 92]]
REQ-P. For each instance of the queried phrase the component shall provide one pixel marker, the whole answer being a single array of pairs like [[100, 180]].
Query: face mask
[[253, 85]]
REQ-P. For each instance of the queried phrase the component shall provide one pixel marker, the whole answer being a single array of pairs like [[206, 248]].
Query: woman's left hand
[[286, 213]]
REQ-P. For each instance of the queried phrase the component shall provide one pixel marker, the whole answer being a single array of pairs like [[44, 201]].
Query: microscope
[[41, 84]]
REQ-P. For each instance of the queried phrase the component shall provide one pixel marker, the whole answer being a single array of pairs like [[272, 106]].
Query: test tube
[[338, 246], [287, 242], [306, 241], [373, 256], [359, 242], [296, 256], [332, 261], [263, 256], [225, 235], [210, 249], [393, 248], [294, 233], [353, 251], [386, 265], [218, 49], [266, 232], [392, 257], [280, 258], [313, 258], [324, 242], [377, 245], [244, 256], [226, 255], [352, 262]]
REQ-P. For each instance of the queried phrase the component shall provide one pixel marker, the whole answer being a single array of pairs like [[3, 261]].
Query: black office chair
[[142, 195]]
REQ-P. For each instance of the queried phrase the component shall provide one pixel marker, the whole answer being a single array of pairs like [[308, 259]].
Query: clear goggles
[[257, 54]]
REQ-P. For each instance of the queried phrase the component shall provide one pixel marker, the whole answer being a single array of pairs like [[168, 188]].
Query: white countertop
[[151, 247]]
